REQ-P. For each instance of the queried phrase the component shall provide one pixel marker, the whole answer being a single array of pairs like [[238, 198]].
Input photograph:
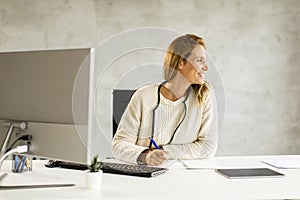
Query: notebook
[[249, 173]]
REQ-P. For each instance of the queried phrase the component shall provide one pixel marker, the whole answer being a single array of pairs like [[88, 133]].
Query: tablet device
[[249, 173]]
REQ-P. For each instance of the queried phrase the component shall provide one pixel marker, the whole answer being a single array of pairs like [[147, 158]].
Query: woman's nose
[[204, 66]]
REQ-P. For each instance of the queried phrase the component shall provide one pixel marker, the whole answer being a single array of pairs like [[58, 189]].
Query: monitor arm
[[20, 125]]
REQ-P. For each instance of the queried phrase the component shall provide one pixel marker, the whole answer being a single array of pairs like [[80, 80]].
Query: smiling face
[[195, 67], [185, 58]]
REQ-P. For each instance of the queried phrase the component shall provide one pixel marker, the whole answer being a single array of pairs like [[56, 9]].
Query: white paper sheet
[[33, 179], [199, 164], [283, 164]]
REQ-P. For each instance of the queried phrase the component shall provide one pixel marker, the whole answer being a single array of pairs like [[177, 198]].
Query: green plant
[[96, 164]]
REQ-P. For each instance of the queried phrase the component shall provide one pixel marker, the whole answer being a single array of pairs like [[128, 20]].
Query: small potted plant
[[94, 174]]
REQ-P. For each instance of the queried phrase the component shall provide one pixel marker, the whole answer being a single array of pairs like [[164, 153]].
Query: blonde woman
[[179, 114]]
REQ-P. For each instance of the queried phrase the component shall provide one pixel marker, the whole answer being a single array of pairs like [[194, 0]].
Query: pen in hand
[[154, 143], [156, 157]]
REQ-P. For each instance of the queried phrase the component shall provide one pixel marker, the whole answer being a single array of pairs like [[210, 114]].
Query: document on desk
[[199, 164], [284, 164], [31, 180]]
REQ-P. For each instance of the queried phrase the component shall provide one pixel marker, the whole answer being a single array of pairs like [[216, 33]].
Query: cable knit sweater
[[196, 137]]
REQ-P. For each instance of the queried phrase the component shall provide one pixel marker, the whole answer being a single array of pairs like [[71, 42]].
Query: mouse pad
[[249, 173]]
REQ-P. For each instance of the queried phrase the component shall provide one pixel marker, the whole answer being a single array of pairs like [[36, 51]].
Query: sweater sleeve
[[205, 145], [124, 142]]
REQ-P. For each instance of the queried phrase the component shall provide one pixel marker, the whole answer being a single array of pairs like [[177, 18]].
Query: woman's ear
[[181, 64]]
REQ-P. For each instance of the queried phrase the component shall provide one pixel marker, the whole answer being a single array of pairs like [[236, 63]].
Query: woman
[[178, 114]]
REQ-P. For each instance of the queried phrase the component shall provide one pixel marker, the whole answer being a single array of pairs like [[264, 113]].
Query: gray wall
[[253, 43]]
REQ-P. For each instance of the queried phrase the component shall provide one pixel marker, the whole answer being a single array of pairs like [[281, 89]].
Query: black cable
[[23, 137]]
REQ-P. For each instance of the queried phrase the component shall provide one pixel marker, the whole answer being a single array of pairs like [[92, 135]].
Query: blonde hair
[[178, 51]]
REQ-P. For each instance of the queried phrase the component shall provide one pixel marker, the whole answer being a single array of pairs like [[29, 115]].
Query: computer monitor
[[37, 87]]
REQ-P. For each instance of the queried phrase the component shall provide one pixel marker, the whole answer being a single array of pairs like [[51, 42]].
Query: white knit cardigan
[[196, 137]]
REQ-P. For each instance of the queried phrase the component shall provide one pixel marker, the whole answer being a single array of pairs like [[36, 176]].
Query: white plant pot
[[93, 180]]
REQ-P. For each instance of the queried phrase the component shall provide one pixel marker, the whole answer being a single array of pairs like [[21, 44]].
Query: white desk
[[177, 183]]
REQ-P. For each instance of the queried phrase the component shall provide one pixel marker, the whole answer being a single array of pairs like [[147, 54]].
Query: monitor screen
[[37, 87]]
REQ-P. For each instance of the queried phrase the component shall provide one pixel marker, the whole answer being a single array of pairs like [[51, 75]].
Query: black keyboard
[[113, 168], [133, 170]]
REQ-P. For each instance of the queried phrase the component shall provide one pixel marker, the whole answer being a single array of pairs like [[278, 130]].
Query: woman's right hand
[[156, 157]]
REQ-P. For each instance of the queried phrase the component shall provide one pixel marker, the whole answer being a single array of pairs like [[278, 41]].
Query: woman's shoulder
[[145, 97], [147, 90], [145, 94]]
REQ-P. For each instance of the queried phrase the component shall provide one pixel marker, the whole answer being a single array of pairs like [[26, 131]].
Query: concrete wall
[[253, 43]]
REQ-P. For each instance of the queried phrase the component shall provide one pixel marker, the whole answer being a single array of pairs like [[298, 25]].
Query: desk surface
[[177, 183]]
